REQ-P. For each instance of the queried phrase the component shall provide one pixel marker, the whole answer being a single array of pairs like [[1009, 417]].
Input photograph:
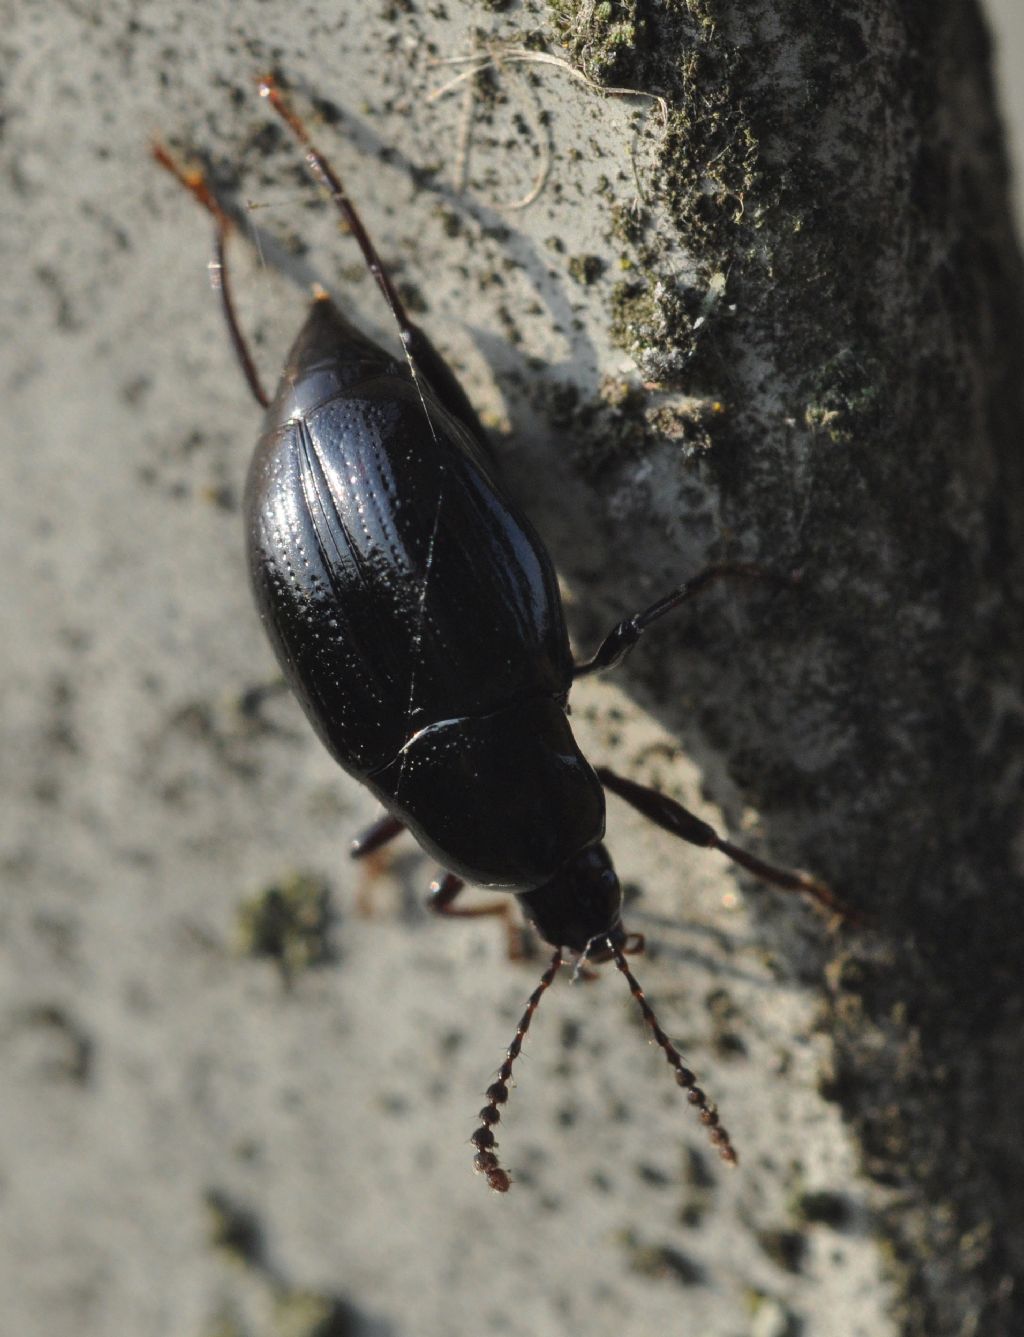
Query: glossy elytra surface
[[415, 612]]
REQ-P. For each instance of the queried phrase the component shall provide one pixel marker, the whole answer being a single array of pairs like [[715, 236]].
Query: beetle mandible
[[415, 614]]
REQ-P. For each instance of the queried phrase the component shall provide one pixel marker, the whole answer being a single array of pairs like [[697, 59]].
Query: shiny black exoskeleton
[[416, 615]]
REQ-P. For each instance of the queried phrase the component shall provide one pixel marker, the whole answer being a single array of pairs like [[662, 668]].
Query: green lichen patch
[[628, 223], [307, 1313], [660, 1262], [232, 1229], [289, 922], [710, 153], [586, 269], [624, 422], [601, 38], [665, 327], [635, 319], [847, 394]]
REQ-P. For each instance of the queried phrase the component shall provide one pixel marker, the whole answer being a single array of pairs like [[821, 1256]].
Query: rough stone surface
[[232, 1104]]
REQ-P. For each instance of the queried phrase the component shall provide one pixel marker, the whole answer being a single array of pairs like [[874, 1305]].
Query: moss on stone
[[601, 38], [289, 922]]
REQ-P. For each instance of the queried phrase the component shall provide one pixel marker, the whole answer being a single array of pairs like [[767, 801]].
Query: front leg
[[672, 816]]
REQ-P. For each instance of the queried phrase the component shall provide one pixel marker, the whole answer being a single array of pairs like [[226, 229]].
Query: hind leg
[[673, 817]]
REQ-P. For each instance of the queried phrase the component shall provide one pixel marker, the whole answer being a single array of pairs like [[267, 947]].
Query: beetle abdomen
[[397, 583]]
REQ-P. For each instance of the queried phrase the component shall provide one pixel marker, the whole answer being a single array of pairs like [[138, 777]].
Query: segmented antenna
[[323, 172], [485, 1161], [685, 1078]]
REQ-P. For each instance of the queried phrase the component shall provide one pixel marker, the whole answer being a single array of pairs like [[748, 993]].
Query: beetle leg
[[621, 639], [196, 184], [383, 830], [425, 357], [443, 891], [672, 816], [366, 847]]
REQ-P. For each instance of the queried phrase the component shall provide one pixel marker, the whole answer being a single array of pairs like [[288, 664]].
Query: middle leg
[[621, 639], [444, 890]]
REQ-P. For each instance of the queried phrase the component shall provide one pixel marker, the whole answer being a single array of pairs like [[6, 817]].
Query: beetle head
[[582, 904], [580, 908]]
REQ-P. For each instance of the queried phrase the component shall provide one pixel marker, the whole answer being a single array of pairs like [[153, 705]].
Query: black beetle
[[416, 616]]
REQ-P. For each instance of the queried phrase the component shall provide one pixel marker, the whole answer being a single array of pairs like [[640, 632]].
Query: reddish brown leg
[[443, 891], [672, 816], [367, 848], [383, 830], [198, 187]]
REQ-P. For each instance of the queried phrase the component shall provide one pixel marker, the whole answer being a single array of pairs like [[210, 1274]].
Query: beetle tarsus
[[444, 890]]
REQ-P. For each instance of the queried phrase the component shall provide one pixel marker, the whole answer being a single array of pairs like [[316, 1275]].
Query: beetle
[[415, 614]]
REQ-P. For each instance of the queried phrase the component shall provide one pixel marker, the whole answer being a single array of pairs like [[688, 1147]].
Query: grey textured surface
[[1006, 19], [145, 1062]]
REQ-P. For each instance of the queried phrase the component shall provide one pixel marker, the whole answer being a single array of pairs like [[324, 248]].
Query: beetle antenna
[[685, 1078], [322, 170], [324, 173], [485, 1162]]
